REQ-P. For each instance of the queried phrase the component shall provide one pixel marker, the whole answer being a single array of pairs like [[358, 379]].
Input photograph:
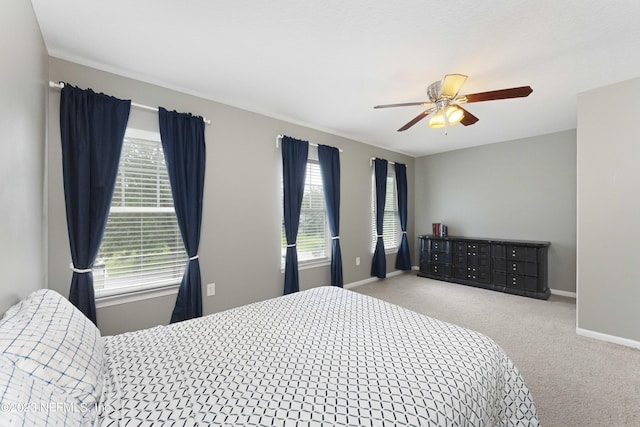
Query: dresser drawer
[[484, 260], [460, 248], [439, 269], [498, 251], [478, 274], [499, 264], [521, 282], [522, 253], [521, 268], [499, 278], [460, 272], [478, 249], [478, 254], [440, 245], [460, 260], [484, 275], [440, 257]]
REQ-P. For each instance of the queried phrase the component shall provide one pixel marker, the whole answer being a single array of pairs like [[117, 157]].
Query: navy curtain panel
[[379, 261], [92, 127], [294, 168], [182, 137], [329, 158], [403, 259]]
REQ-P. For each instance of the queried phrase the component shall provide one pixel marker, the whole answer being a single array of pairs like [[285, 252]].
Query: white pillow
[[28, 401], [45, 336]]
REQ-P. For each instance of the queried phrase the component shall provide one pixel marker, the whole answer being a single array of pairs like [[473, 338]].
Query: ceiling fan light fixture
[[436, 121], [454, 116]]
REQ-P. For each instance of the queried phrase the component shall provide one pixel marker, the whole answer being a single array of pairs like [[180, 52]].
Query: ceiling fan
[[446, 103]]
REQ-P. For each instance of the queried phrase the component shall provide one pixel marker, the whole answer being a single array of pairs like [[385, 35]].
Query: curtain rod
[[373, 158], [133, 104], [279, 137]]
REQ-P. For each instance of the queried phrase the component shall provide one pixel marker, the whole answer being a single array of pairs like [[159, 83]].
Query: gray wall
[[23, 73], [240, 243], [523, 189], [609, 211]]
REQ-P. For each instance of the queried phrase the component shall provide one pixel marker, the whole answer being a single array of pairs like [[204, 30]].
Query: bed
[[321, 357]]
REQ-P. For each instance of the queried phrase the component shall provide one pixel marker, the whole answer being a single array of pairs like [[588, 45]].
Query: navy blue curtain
[[329, 158], [92, 127], [294, 168], [379, 261], [183, 144], [403, 259]]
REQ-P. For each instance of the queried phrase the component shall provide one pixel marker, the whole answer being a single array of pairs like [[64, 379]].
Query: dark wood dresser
[[514, 266]]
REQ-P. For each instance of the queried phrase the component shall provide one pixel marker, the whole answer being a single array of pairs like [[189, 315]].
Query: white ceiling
[[325, 64]]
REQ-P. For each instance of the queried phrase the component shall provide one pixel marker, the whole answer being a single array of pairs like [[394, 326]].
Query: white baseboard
[[563, 293], [608, 338], [371, 279]]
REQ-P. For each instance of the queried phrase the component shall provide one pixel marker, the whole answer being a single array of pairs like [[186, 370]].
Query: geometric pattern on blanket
[[326, 356]]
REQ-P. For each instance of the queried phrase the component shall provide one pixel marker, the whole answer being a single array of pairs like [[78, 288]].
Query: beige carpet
[[575, 381]]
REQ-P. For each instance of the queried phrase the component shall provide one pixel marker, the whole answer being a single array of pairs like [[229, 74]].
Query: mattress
[[326, 356]]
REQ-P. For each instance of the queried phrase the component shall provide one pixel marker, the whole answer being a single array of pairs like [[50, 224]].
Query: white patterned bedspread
[[325, 356]]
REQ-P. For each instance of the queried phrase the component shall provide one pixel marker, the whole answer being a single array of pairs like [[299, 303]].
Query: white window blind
[[313, 239], [142, 247], [391, 223]]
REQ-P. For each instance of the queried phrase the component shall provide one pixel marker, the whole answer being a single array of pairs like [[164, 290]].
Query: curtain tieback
[[335, 238], [380, 236], [404, 232], [80, 270], [293, 245], [193, 258]]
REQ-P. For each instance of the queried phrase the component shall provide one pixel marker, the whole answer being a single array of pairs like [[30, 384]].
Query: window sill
[[110, 297], [305, 265], [387, 251], [313, 264]]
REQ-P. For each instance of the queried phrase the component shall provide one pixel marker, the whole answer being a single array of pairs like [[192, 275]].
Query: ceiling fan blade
[[451, 84], [405, 104], [514, 92], [416, 119], [468, 119]]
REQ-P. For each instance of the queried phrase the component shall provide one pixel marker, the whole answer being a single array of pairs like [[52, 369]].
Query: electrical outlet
[[357, 260], [211, 289]]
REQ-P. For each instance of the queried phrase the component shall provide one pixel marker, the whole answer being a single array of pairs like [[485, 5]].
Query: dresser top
[[496, 241]]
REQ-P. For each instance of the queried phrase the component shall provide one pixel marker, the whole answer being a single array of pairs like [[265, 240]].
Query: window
[[391, 232], [142, 247], [314, 238]]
